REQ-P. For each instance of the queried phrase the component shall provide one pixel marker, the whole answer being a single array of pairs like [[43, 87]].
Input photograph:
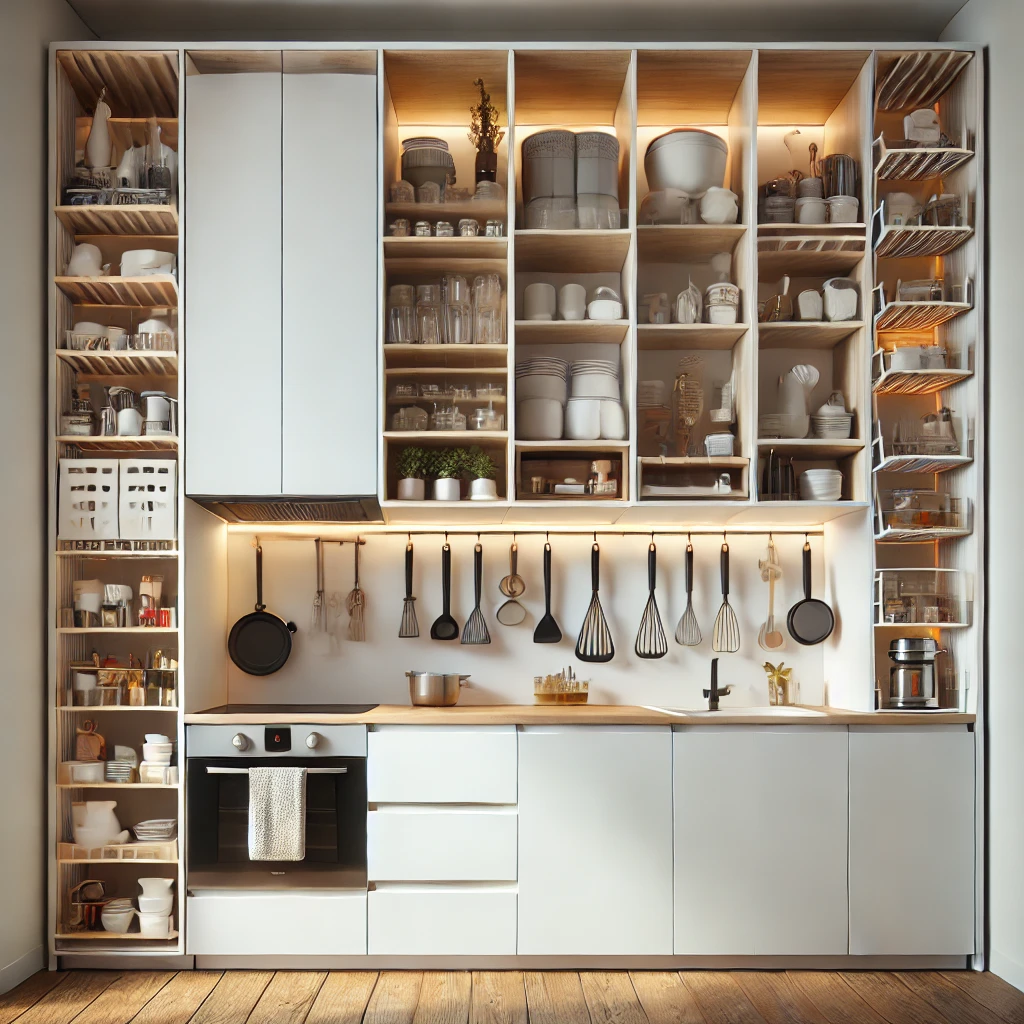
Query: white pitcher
[[97, 146], [795, 390]]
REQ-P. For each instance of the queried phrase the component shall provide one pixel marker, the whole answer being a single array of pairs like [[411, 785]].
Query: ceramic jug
[[85, 261], [94, 823], [97, 146], [795, 390]]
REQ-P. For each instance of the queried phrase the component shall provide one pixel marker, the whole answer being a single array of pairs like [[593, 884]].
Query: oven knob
[[313, 740], [240, 741]]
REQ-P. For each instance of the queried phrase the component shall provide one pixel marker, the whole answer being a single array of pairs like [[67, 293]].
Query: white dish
[[541, 386], [160, 905], [594, 385], [686, 158], [117, 921], [539, 419], [604, 309]]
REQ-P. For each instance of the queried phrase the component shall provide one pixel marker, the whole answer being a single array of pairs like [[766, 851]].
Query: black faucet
[[714, 693]]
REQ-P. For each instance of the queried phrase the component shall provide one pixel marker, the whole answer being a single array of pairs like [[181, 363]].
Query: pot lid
[[914, 645]]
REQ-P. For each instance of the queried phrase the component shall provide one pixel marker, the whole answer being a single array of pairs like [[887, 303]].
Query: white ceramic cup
[[583, 419], [129, 423], [572, 301], [539, 301], [154, 926], [153, 886]]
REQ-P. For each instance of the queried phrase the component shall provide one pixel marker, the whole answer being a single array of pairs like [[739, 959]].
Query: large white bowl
[[539, 419], [613, 421], [538, 385], [594, 385], [687, 159], [118, 921], [156, 904], [583, 419]]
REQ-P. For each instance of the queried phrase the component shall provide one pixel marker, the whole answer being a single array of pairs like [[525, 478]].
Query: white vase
[[411, 488], [155, 886], [447, 490], [97, 146], [94, 823], [483, 490]]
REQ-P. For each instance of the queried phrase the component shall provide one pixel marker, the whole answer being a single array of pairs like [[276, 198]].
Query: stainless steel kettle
[[912, 677]]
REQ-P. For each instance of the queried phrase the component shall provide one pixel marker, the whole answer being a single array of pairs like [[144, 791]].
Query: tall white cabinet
[[595, 840], [281, 201]]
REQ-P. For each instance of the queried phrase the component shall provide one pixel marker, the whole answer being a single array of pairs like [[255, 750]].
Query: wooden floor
[[480, 997]]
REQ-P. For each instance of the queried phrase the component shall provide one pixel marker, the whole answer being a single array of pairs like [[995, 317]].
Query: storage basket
[[87, 499], [834, 428], [148, 499]]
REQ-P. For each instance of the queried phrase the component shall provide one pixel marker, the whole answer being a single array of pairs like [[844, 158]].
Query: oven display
[[277, 740]]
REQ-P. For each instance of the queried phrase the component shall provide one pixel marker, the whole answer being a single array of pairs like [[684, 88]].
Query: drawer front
[[442, 921], [423, 764], [437, 845], [251, 923]]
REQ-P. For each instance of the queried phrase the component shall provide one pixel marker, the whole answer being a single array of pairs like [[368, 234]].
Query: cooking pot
[[435, 689], [912, 682]]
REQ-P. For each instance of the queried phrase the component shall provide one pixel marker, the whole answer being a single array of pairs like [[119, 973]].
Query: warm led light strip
[[328, 531]]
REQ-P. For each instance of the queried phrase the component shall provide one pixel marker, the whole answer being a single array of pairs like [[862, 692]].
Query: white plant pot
[[483, 490], [412, 489], [447, 490]]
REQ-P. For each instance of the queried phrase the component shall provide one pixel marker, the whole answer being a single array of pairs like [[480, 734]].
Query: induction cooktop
[[289, 709]]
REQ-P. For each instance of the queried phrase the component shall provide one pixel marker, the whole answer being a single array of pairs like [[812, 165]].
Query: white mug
[[572, 302], [129, 423], [539, 301], [85, 261]]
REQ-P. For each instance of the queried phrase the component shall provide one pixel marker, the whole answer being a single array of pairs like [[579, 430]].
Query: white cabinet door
[[912, 840], [595, 840], [233, 283], [760, 840], [331, 235]]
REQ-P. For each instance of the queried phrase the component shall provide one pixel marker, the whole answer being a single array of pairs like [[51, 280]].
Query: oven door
[[218, 825]]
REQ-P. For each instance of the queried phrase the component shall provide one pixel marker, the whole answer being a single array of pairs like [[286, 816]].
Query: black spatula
[[547, 631], [445, 627]]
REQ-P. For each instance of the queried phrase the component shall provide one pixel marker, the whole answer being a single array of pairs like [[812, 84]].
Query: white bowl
[[155, 886], [118, 921], [604, 309], [686, 158], [613, 421], [821, 485], [583, 419], [538, 385], [539, 419], [594, 385], [157, 737], [155, 926], [156, 904]]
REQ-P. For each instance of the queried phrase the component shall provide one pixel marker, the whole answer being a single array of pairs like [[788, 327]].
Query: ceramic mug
[[572, 302], [539, 301], [129, 423]]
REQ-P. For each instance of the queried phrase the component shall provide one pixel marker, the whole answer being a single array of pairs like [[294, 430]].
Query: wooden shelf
[[456, 247], [155, 630], [120, 444], [899, 241], [435, 87], [430, 268], [441, 357], [572, 446], [120, 364], [918, 316], [136, 292], [570, 332], [114, 936], [118, 785], [447, 371], [571, 252], [689, 337], [917, 382], [474, 400], [146, 219], [804, 86], [570, 86], [806, 334], [143, 862], [481, 210], [922, 463], [116, 554], [95, 708], [464, 438], [139, 83], [809, 448], [685, 243], [916, 164], [808, 255]]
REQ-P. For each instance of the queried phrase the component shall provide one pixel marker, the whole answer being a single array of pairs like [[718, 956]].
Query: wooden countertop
[[584, 714]]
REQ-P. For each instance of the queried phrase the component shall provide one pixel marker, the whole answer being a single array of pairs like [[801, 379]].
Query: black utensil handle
[[408, 570], [547, 579], [260, 606], [807, 570], [446, 579], [689, 569], [652, 567], [478, 571], [595, 567], [725, 570]]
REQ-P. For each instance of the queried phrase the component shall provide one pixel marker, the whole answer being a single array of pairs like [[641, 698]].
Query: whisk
[[595, 640], [650, 638], [688, 630], [726, 635], [354, 603]]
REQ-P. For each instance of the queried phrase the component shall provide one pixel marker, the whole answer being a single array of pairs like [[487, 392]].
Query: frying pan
[[810, 621], [259, 643]]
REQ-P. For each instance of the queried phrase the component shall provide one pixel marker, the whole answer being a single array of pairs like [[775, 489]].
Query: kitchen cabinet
[[760, 827], [595, 840], [282, 284], [912, 848]]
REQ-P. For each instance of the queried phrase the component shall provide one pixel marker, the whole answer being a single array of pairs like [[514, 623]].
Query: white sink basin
[[744, 712]]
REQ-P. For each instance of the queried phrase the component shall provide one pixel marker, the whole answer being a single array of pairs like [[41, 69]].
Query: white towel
[[277, 813]]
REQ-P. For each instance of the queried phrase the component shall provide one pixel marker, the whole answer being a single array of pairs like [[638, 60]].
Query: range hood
[[292, 509]]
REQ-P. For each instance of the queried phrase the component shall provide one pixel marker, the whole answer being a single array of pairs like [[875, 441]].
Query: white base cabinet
[[912, 843], [595, 840], [760, 840]]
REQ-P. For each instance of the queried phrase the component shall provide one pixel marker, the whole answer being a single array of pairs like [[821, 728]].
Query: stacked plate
[[119, 771], [821, 485], [156, 830], [595, 378], [650, 394], [427, 159], [543, 377]]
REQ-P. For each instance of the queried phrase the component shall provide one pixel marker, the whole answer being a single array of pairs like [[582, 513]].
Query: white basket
[[148, 499], [87, 494], [835, 428]]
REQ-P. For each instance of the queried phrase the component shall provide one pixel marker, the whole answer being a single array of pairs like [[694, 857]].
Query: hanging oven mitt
[[89, 744]]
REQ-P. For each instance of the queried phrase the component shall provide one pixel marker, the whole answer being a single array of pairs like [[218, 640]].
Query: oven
[[217, 805]]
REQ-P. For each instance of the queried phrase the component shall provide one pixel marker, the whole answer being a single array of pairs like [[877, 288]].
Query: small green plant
[[479, 464], [448, 463], [413, 463], [484, 132]]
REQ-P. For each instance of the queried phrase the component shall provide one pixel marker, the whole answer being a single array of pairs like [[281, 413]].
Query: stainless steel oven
[[217, 805]]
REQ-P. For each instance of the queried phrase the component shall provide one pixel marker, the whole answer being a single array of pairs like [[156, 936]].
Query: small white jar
[[810, 210], [843, 209]]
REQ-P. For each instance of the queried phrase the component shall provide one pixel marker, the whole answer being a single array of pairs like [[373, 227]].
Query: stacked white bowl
[[540, 398], [427, 159], [155, 905], [821, 485], [594, 409]]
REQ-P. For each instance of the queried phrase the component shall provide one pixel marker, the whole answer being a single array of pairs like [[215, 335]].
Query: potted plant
[[413, 467], [446, 465], [485, 135], [481, 469]]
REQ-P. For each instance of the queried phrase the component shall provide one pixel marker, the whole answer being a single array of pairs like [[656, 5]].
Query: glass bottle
[[428, 314], [401, 314]]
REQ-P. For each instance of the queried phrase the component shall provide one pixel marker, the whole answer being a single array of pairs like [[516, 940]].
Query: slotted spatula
[[688, 631], [726, 635], [410, 627], [476, 631]]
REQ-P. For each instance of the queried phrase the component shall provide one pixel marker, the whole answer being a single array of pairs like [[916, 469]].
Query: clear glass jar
[[401, 314], [429, 317], [458, 310], [487, 320]]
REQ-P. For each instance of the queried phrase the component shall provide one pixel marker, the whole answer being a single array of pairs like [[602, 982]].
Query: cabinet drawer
[[436, 845], [424, 764], [446, 921], [308, 924]]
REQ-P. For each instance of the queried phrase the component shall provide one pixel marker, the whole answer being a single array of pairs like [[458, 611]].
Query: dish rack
[[916, 164], [907, 451], [166, 852], [912, 515], [934, 598], [912, 240], [887, 381], [901, 315]]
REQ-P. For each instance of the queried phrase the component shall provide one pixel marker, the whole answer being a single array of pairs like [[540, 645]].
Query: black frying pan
[[259, 643], [810, 621]]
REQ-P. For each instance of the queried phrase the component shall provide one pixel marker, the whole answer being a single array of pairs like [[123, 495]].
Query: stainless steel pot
[[912, 682], [435, 689]]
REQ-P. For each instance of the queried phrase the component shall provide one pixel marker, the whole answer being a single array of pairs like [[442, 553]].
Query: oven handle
[[245, 771]]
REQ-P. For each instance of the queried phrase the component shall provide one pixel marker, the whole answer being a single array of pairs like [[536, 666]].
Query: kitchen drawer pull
[[245, 771]]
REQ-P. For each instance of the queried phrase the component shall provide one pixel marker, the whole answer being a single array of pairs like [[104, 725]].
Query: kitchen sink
[[765, 712]]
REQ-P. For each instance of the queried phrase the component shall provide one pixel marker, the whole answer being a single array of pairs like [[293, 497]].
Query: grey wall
[[1000, 25], [28, 27]]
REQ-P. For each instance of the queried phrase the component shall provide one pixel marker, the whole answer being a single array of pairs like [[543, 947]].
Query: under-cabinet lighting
[[345, 531]]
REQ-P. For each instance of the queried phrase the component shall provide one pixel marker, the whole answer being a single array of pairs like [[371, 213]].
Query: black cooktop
[[289, 709]]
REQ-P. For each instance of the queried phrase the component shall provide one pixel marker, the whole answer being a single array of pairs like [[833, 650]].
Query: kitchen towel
[[277, 813]]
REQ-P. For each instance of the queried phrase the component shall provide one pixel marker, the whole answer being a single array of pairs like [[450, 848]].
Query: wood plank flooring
[[512, 997]]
